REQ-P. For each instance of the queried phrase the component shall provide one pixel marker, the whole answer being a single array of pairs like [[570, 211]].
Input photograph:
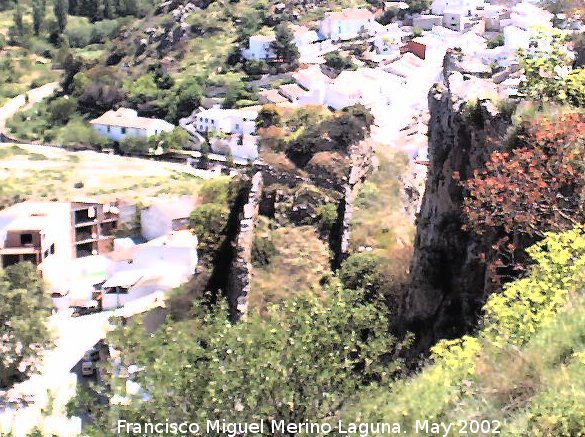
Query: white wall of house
[[259, 47], [118, 133], [234, 121], [334, 28], [157, 220], [426, 22], [439, 6]]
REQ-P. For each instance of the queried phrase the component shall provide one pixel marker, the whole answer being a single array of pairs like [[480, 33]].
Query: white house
[[525, 16], [259, 47], [230, 121], [458, 19], [304, 38], [232, 130], [159, 265], [368, 86], [117, 125], [166, 216], [469, 6], [346, 24], [426, 22]]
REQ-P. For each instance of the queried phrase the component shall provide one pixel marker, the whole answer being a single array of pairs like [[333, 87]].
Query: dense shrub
[[263, 250]]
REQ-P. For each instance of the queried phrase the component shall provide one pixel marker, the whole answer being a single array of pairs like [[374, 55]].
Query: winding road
[[20, 103]]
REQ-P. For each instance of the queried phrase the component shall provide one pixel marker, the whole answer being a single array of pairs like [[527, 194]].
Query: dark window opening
[[26, 239], [123, 130], [9, 260], [30, 257], [52, 249]]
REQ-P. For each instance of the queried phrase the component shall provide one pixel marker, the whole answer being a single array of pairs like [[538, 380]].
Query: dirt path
[[19, 103]]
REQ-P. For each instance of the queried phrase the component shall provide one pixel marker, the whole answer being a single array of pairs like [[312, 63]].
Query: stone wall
[[240, 272]]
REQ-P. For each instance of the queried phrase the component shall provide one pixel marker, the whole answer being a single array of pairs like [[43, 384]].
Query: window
[[237, 126], [52, 249], [46, 254], [26, 239], [206, 120], [123, 130], [109, 128], [212, 121]]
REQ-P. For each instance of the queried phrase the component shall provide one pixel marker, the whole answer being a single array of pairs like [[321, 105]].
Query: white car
[[87, 368]]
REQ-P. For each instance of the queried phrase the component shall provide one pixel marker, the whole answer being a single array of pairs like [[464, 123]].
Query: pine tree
[[18, 23], [61, 9], [38, 9], [284, 49]]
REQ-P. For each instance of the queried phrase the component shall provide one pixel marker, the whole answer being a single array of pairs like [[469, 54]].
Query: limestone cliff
[[449, 281]]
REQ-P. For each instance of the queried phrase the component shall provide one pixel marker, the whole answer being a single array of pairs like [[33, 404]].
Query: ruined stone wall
[[240, 272]]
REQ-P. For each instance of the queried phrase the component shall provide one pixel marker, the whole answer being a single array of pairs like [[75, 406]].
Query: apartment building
[[58, 231]]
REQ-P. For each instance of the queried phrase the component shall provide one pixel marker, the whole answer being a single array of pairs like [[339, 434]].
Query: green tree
[[38, 11], [338, 62], [496, 41], [61, 110], [545, 68], [135, 145], [208, 223], [285, 51], [363, 271], [575, 83], [418, 6], [61, 9], [301, 361], [18, 23], [24, 311], [176, 139]]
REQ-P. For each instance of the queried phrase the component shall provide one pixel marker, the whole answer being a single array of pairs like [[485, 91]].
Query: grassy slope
[[47, 173], [524, 369], [301, 261]]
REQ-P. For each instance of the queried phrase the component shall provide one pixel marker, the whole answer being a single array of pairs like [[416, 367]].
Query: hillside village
[[327, 122]]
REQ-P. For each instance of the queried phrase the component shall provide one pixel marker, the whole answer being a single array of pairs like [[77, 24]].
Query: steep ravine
[[449, 281]]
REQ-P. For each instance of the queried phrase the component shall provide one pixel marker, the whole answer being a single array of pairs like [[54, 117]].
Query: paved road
[[19, 103]]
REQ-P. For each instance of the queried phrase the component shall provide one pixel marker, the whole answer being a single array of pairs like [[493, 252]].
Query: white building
[[468, 6], [368, 86], [459, 19], [166, 216], [230, 130], [526, 16], [259, 47], [230, 121], [159, 265], [346, 24], [305, 39], [426, 22], [117, 125]]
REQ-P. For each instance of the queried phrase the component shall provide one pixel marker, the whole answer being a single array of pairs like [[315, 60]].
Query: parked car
[[87, 368], [84, 308]]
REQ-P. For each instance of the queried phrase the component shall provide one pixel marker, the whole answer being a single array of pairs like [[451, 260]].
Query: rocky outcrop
[[450, 281], [240, 272]]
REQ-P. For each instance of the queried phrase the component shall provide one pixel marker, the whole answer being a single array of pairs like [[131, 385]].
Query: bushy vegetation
[[337, 61], [530, 347], [24, 310], [546, 70], [536, 187], [209, 369]]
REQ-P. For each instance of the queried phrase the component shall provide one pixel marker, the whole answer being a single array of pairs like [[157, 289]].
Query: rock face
[[240, 272], [450, 281]]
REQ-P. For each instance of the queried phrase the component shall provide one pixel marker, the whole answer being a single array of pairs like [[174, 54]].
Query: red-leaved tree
[[538, 186]]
